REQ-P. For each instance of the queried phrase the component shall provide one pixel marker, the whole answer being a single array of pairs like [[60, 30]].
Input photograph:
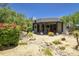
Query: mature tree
[[29, 25], [9, 16], [71, 20], [65, 19]]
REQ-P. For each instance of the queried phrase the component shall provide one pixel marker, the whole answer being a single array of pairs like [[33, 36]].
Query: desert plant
[[62, 47], [56, 42], [47, 51], [30, 34], [63, 39], [51, 43], [50, 33], [75, 32], [76, 35]]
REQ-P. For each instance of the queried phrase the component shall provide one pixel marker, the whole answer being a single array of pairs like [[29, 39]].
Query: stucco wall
[[59, 27]]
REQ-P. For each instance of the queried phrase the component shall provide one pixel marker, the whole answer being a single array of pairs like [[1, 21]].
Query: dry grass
[[56, 42], [47, 51], [62, 47], [22, 43]]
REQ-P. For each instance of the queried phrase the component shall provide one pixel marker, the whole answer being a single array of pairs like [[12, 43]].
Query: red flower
[[1, 25]]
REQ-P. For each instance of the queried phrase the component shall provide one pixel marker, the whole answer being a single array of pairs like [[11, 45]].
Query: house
[[45, 25]]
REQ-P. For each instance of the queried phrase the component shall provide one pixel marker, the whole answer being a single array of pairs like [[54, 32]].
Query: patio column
[[59, 27], [35, 28], [40, 28]]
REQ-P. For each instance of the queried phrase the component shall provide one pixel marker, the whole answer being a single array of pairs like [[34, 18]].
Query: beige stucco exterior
[[59, 27]]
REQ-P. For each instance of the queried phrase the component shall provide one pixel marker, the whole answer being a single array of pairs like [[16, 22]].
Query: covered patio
[[46, 25]]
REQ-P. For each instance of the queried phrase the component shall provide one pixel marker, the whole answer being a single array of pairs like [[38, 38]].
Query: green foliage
[[71, 20], [30, 34], [56, 42], [29, 25], [65, 19], [7, 15], [48, 52], [9, 36]]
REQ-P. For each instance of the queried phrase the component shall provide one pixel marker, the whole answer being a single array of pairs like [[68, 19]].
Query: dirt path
[[34, 47]]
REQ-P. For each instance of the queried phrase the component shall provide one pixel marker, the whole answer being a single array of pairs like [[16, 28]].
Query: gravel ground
[[34, 47]]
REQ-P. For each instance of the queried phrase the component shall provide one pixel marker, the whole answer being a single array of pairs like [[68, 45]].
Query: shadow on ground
[[7, 48]]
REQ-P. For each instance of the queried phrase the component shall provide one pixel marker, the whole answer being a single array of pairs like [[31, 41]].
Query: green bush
[[30, 34], [9, 37], [56, 42]]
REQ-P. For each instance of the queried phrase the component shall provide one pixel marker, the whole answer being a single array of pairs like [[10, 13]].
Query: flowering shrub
[[9, 35], [5, 25]]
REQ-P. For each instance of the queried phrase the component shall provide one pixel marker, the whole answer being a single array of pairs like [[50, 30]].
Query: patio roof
[[47, 20]]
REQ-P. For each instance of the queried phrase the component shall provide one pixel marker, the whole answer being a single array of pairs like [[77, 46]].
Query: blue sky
[[45, 9]]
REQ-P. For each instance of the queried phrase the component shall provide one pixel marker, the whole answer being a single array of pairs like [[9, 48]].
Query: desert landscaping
[[29, 36], [44, 45]]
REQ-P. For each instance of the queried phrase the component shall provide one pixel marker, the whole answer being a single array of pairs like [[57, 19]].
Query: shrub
[[23, 28], [63, 39], [76, 32], [56, 42], [50, 33], [18, 27], [51, 43], [70, 33], [48, 52], [9, 36], [29, 28], [30, 34], [62, 47]]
